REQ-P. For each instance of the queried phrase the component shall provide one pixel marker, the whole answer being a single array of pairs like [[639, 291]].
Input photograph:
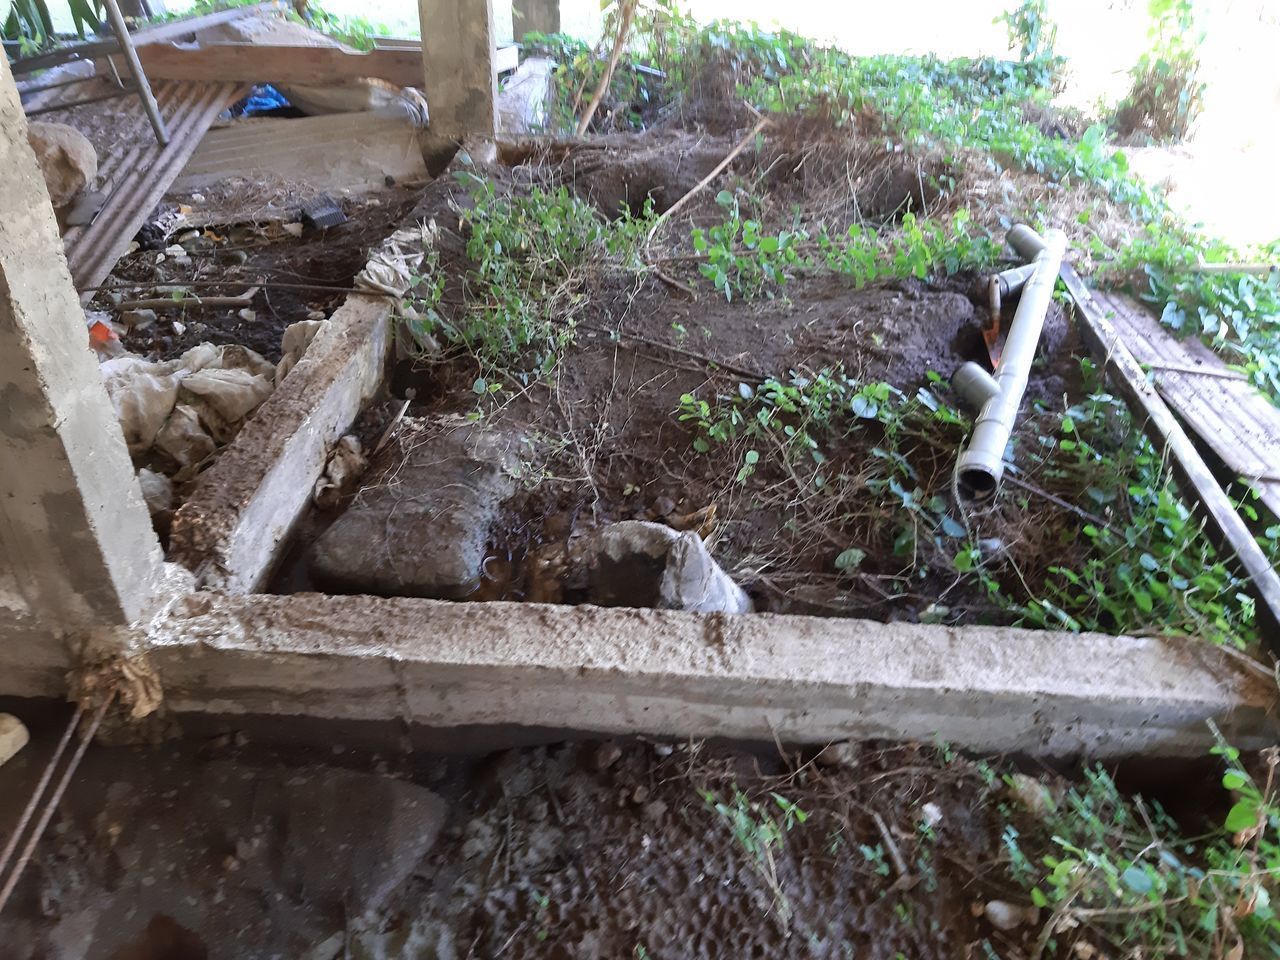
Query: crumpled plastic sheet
[[390, 268], [186, 407]]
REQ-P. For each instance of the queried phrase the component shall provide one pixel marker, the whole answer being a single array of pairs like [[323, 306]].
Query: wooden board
[[1220, 406], [159, 33], [1198, 484], [337, 151], [257, 63]]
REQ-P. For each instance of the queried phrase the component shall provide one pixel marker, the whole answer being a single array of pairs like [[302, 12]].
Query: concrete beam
[[458, 44], [233, 525], [615, 671], [73, 526]]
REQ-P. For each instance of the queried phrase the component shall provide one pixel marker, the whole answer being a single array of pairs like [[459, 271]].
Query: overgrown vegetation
[[1166, 92], [1036, 36], [758, 828], [1114, 874], [30, 25], [533, 258], [1146, 566]]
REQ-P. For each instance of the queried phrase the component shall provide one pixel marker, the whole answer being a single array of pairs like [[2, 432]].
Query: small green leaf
[[1242, 816], [1137, 880], [1234, 780], [850, 559]]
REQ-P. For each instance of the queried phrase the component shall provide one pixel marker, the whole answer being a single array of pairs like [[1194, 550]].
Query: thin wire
[[54, 800]]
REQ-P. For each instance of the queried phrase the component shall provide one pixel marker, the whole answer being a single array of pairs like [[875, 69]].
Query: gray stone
[[423, 528], [606, 755], [349, 839], [846, 754], [641, 564], [138, 319]]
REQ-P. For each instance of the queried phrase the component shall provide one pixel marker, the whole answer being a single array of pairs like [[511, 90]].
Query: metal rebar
[[39, 791], [149, 104], [54, 800]]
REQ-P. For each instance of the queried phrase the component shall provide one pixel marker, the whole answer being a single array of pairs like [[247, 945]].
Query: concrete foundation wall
[[801, 679], [73, 527]]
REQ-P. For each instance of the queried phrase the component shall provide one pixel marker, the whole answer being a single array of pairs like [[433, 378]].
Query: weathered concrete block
[[423, 528]]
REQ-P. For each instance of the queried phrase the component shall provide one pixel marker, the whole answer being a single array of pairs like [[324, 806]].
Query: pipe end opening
[[976, 486]]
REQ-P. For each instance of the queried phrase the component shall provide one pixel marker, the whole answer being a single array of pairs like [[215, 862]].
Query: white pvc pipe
[[981, 463]]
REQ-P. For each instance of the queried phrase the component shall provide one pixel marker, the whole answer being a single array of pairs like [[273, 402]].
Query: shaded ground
[[224, 847], [292, 274], [609, 444]]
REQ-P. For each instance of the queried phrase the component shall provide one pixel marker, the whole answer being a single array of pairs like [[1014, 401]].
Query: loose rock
[[67, 159], [1009, 916], [606, 755], [847, 754], [138, 319], [423, 529]]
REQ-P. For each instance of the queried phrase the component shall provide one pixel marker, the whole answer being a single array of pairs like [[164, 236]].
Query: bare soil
[[612, 447], [221, 846], [296, 277]]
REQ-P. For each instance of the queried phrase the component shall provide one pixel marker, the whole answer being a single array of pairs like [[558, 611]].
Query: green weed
[[758, 828], [743, 258], [1116, 873], [532, 258], [1166, 93]]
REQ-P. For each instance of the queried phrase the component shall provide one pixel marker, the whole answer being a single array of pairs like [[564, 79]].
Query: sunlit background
[[1224, 176]]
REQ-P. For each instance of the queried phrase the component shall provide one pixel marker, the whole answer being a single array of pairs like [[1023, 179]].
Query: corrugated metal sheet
[[138, 173], [1224, 409]]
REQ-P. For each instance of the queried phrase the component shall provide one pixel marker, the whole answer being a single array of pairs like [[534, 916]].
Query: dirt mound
[[663, 170], [826, 167]]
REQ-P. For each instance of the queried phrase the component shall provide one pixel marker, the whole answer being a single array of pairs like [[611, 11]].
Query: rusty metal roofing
[[138, 172]]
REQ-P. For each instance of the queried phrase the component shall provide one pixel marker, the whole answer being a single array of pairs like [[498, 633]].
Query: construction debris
[[66, 157], [641, 564], [421, 528]]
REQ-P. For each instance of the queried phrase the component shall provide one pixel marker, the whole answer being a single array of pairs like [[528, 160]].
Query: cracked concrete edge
[[246, 503], [618, 671]]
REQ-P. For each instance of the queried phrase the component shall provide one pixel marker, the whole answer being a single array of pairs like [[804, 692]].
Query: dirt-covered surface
[[221, 846], [609, 443], [291, 277]]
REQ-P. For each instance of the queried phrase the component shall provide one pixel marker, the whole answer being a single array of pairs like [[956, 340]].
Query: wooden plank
[[256, 63], [337, 151], [1225, 411], [159, 33], [1198, 484]]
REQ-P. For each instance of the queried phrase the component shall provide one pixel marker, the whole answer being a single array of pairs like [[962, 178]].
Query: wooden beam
[[257, 63], [459, 63], [156, 34], [1224, 525]]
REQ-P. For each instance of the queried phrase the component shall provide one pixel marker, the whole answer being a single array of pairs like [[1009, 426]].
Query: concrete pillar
[[74, 532], [536, 16], [458, 43]]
